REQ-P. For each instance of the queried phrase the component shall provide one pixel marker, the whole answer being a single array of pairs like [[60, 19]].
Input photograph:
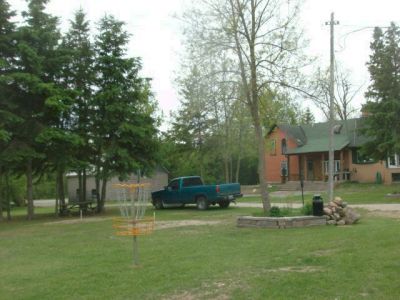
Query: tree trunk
[[1, 194], [256, 112], [29, 190], [8, 198], [251, 90], [262, 169], [226, 168], [103, 194], [239, 153], [57, 210], [80, 186], [60, 191], [84, 193], [98, 193]]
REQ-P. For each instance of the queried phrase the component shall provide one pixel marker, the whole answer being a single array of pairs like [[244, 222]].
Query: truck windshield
[[193, 181]]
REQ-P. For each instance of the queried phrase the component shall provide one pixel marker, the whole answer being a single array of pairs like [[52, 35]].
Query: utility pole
[[332, 23]]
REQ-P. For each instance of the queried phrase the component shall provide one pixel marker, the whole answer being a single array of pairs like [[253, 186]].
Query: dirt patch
[[304, 269], [219, 290], [159, 224], [183, 223], [325, 252], [78, 221]]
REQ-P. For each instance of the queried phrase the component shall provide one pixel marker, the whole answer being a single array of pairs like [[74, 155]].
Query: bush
[[307, 209], [14, 192], [275, 212]]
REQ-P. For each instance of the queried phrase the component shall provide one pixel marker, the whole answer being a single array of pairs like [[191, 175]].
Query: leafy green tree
[[7, 118], [124, 133], [383, 122], [33, 89], [262, 37], [78, 76], [307, 117], [276, 108]]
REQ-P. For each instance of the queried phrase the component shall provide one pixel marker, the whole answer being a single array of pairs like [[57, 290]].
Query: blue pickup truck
[[191, 190]]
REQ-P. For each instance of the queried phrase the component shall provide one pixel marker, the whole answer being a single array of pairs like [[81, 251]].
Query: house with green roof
[[295, 151]]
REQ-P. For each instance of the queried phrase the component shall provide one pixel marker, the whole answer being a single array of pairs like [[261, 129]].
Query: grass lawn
[[66, 259], [353, 193]]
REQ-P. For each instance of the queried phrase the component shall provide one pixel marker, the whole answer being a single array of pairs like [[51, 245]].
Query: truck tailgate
[[229, 189]]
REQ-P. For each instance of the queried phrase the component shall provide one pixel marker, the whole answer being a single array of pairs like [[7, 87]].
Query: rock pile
[[338, 213]]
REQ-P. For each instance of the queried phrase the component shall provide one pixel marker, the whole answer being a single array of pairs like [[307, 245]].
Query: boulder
[[341, 223], [340, 211], [344, 204], [336, 216], [331, 222], [327, 211], [351, 216], [338, 201], [332, 204]]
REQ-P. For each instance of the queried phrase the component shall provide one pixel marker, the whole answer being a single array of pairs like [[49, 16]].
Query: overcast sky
[[156, 35]]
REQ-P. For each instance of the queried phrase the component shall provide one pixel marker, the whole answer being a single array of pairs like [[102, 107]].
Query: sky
[[156, 35]]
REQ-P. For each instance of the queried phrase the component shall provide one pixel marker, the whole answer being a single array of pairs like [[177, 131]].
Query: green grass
[[47, 259], [353, 193]]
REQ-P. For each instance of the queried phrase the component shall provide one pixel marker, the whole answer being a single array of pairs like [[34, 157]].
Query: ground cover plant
[[211, 258]]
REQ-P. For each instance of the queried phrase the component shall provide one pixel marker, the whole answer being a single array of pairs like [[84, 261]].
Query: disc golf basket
[[133, 200]]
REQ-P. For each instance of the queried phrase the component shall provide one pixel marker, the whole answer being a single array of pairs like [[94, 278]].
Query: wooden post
[[341, 173]]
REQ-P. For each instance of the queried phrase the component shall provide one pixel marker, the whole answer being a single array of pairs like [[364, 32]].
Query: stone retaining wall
[[284, 222]]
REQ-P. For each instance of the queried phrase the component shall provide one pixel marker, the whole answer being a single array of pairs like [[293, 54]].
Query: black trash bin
[[317, 205]]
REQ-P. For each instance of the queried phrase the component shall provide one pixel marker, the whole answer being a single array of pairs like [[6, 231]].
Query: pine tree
[[123, 126], [32, 82], [307, 117], [383, 106], [79, 77], [7, 118]]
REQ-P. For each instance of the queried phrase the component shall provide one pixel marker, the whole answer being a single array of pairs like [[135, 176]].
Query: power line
[[345, 35]]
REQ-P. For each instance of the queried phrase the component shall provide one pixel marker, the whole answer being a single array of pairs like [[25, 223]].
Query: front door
[[310, 170]]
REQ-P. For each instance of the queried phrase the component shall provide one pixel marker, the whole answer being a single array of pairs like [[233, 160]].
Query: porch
[[313, 167]]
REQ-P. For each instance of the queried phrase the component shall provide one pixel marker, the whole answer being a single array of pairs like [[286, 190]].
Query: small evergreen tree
[[383, 106]]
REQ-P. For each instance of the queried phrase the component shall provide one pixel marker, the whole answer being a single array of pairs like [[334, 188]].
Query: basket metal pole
[[135, 251]]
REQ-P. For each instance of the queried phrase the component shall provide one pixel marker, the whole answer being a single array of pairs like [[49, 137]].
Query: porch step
[[308, 186]]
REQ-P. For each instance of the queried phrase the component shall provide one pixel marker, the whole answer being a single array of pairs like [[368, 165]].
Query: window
[[272, 147], [396, 177], [336, 165], [192, 181], [394, 161], [174, 185], [360, 158], [283, 146]]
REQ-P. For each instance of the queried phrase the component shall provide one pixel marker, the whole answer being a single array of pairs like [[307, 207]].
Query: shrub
[[307, 209], [275, 212]]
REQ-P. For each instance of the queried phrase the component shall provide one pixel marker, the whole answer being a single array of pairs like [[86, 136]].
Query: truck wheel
[[202, 203], [224, 204], [158, 204]]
